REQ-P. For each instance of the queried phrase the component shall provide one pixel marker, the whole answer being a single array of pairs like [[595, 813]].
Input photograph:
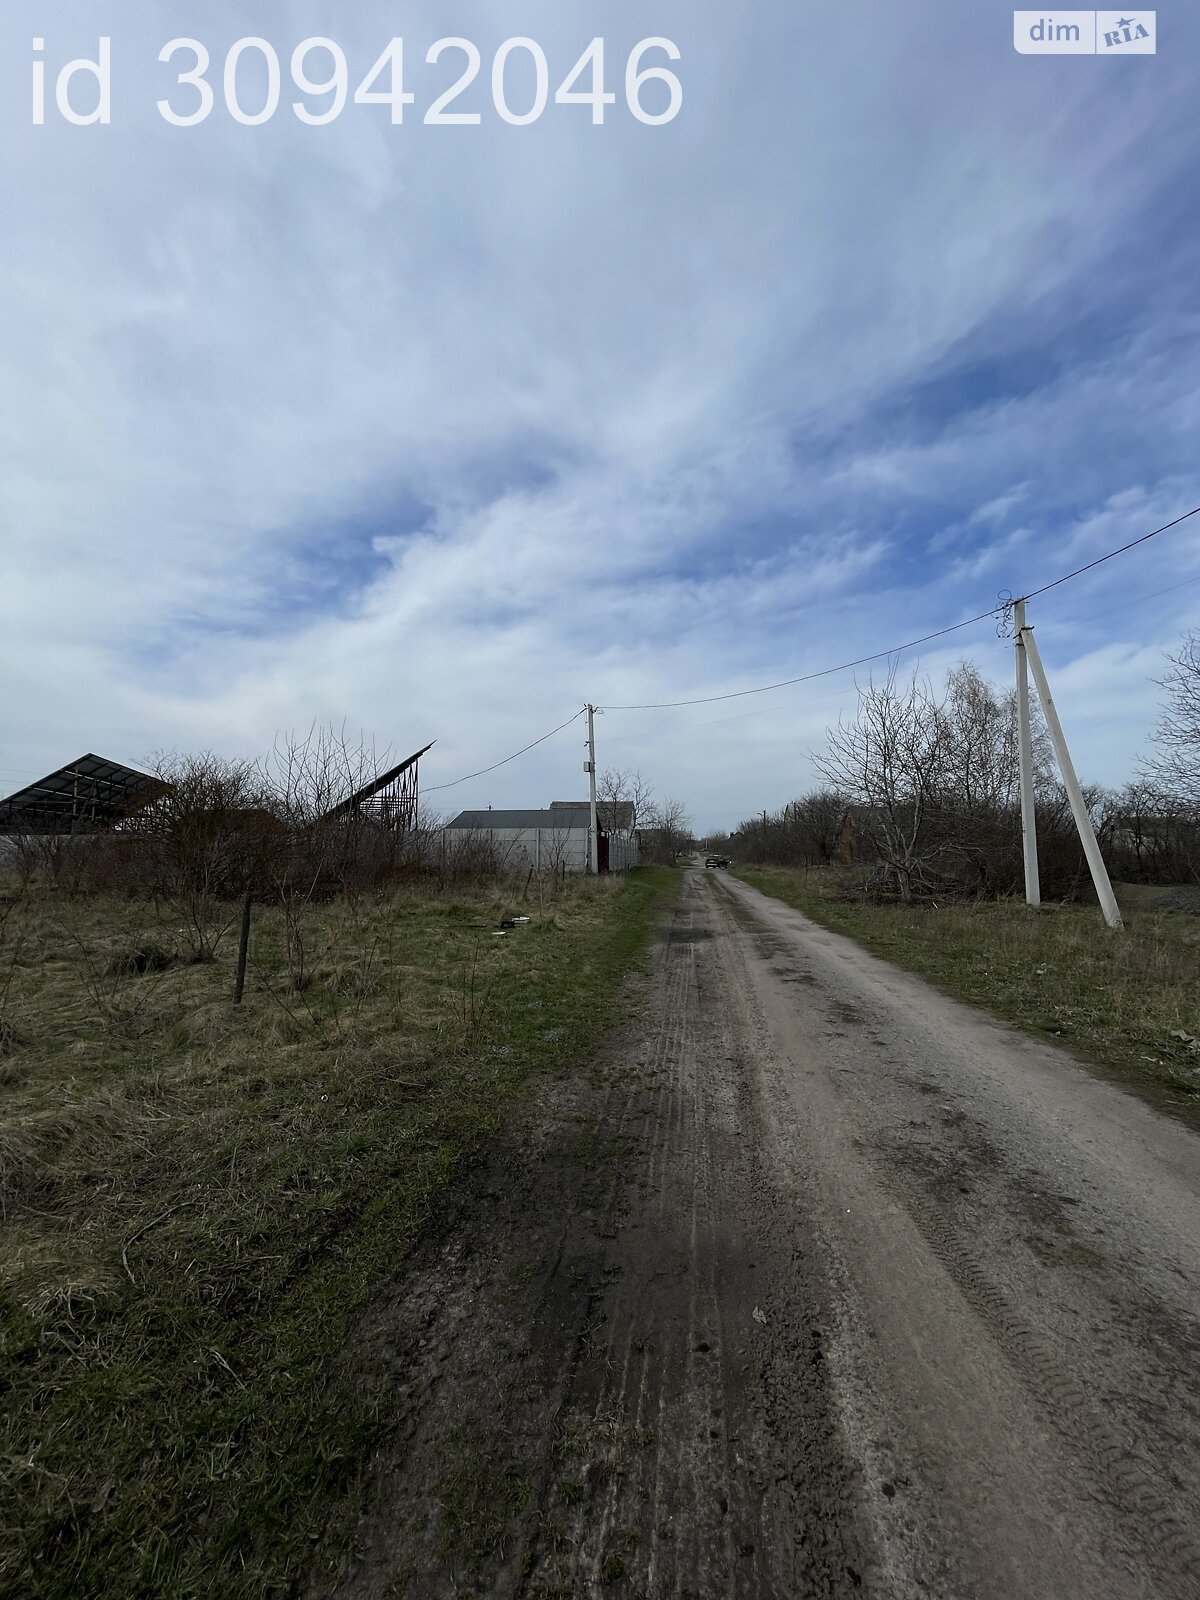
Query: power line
[[1091, 616], [808, 677], [434, 788], [881, 655], [1100, 560], [1134, 600], [828, 672]]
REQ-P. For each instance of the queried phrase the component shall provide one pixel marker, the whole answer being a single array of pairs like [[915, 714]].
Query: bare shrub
[[805, 833], [204, 842], [326, 846], [13, 909], [56, 863], [140, 957]]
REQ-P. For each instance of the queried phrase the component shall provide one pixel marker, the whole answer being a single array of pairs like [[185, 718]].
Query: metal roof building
[[556, 819], [545, 840], [614, 815]]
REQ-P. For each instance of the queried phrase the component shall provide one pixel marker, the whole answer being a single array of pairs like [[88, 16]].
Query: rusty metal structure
[[90, 795], [389, 801]]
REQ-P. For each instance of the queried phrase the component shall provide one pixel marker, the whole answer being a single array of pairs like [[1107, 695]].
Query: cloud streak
[[445, 430]]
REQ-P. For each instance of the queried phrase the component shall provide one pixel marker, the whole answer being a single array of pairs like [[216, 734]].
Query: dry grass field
[[199, 1199]]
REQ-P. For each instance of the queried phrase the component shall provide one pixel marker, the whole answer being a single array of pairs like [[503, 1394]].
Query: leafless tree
[[889, 758], [324, 848], [1174, 768], [816, 822], [666, 831], [615, 789], [662, 827], [975, 805]]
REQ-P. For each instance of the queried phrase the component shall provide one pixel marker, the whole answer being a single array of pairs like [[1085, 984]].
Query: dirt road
[[825, 1285]]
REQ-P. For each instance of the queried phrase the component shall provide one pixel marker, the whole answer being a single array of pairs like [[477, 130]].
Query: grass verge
[[1127, 1003], [198, 1200]]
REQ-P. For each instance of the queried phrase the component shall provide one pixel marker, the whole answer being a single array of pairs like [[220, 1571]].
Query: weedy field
[[1127, 1003], [198, 1199]]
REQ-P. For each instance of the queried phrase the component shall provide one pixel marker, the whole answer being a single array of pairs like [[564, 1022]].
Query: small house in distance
[[550, 840]]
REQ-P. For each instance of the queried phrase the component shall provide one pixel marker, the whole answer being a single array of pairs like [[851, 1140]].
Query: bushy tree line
[[921, 790]]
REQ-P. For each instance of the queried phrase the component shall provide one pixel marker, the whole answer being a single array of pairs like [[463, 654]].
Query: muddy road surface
[[820, 1284]]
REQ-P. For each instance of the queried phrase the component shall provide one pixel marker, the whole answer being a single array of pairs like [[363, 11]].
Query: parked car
[[712, 861]]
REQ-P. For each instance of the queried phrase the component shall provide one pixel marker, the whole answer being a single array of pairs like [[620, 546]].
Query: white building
[[553, 840]]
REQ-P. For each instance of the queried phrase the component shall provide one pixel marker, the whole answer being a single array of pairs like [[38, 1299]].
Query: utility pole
[[593, 823], [1033, 888], [1087, 837]]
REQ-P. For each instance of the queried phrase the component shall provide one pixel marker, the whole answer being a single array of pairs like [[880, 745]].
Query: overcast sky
[[441, 431]]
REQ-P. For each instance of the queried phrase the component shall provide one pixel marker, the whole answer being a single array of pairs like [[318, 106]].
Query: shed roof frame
[[87, 795]]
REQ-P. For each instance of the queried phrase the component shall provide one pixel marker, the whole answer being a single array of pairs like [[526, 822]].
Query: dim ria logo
[[1084, 33]]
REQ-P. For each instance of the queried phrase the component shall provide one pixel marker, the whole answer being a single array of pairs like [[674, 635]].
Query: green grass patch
[[479, 1502], [1127, 1003], [199, 1200]]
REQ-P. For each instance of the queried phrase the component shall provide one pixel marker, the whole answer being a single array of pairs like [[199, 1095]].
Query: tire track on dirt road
[[626, 1345], [698, 1488], [862, 1051], [813, 1283]]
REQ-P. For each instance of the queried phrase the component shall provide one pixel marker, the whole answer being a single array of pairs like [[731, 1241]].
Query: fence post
[[239, 982]]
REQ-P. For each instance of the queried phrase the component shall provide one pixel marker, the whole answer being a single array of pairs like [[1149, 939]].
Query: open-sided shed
[[389, 800], [90, 795]]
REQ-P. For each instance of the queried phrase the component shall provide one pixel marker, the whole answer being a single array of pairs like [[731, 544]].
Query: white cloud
[[544, 401]]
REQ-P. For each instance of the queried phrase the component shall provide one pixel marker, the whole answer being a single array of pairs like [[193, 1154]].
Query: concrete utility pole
[[593, 823], [1033, 888], [1087, 837]]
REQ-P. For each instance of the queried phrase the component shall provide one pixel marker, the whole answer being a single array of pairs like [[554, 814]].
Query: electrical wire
[[1074, 621], [435, 787], [808, 677], [1132, 600], [1100, 560], [898, 649]]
